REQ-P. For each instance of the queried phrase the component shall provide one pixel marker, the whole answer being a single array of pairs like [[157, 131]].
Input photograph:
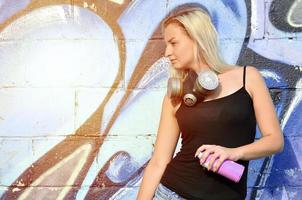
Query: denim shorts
[[164, 193]]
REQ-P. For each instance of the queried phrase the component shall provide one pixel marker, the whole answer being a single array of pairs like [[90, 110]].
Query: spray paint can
[[228, 168]]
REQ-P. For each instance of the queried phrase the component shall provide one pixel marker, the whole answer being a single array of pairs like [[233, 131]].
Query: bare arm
[[272, 139], [166, 141]]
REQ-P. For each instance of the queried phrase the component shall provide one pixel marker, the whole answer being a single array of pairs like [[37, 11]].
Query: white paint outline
[[84, 149], [289, 14]]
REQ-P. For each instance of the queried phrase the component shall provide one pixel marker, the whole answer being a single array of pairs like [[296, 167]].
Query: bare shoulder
[[170, 105], [238, 70], [253, 72], [235, 75], [254, 80]]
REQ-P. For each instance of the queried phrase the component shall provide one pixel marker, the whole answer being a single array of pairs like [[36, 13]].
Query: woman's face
[[179, 47]]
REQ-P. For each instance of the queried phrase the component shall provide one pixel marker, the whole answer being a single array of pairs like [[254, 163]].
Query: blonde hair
[[198, 25]]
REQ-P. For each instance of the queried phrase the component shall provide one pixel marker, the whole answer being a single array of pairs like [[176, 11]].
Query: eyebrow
[[171, 39]]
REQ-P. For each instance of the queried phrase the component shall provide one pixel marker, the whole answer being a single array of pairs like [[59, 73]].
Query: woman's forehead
[[173, 30]]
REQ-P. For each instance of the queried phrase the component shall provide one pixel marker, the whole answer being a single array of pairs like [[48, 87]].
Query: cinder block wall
[[81, 86]]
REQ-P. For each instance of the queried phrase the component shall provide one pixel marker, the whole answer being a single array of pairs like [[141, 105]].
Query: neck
[[200, 67]]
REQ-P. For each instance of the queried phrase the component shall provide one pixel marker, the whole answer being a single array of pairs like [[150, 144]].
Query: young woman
[[222, 125]]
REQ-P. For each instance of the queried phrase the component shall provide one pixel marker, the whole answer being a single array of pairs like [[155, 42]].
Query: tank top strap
[[244, 69]]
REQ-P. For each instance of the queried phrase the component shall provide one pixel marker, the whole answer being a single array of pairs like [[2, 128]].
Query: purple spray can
[[228, 168]]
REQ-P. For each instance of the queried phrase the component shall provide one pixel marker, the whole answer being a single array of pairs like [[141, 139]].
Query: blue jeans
[[164, 193]]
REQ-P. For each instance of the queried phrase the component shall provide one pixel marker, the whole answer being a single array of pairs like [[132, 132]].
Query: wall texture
[[81, 85]]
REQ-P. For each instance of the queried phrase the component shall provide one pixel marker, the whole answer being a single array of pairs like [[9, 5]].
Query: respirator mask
[[195, 87]]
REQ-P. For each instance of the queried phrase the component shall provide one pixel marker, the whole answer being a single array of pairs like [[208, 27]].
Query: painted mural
[[81, 85]]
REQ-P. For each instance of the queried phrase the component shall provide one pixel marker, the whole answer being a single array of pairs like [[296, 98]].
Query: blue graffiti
[[275, 177]]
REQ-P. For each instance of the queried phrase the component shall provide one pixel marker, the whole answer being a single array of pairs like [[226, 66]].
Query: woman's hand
[[218, 155]]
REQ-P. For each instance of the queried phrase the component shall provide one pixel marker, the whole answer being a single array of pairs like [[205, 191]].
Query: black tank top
[[227, 121]]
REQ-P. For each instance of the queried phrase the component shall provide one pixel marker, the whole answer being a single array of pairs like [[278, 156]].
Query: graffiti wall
[[82, 81]]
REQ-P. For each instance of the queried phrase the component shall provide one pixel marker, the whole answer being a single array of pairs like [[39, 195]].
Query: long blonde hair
[[198, 25]]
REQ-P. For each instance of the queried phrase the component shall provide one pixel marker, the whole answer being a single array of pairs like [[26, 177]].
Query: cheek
[[187, 53]]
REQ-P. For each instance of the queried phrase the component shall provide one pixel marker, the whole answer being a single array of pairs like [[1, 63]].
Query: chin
[[177, 66]]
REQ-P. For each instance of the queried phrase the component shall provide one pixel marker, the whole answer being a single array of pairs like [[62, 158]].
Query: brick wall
[[81, 86]]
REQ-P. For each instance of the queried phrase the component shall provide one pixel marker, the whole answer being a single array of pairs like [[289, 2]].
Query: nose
[[168, 51]]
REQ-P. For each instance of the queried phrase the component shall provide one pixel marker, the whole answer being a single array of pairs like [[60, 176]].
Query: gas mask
[[195, 87]]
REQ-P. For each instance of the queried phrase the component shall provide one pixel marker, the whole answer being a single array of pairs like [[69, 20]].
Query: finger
[[213, 158], [218, 163], [205, 155], [203, 148]]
